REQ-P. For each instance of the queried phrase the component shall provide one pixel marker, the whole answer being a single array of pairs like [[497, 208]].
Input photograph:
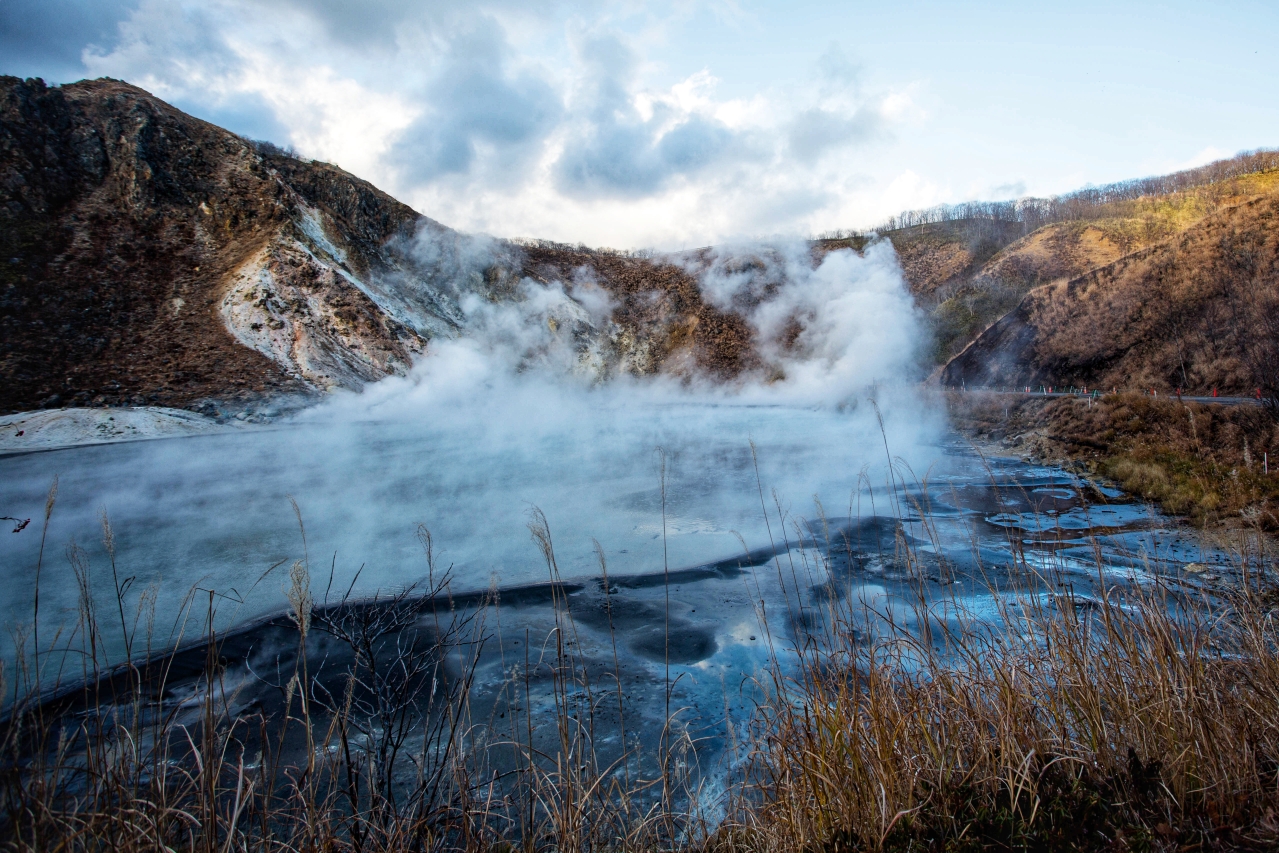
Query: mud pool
[[718, 559]]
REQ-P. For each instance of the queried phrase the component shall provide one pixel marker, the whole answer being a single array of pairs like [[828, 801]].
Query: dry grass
[[1207, 463], [382, 754], [966, 291], [1145, 717], [1141, 719], [1194, 311]]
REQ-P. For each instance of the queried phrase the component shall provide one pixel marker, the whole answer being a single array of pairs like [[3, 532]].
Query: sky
[[684, 123]]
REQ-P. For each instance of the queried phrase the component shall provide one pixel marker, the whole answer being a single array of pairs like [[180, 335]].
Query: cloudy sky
[[681, 123]]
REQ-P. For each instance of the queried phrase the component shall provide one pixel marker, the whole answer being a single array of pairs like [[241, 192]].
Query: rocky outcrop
[[150, 257], [308, 317]]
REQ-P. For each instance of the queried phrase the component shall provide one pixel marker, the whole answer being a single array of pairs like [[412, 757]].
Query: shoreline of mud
[[1205, 465]]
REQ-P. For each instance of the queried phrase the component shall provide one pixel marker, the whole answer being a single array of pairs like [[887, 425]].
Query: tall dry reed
[[1132, 716]]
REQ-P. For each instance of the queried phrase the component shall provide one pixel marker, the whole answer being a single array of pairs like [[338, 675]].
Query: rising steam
[[825, 332], [520, 402]]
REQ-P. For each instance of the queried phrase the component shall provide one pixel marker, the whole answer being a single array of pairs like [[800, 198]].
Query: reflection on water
[[702, 592], [214, 511]]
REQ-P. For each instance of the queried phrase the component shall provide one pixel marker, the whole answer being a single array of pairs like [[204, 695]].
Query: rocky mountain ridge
[[154, 259]]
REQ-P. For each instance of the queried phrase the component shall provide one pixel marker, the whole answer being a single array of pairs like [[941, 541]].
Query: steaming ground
[[214, 510], [508, 416], [739, 592], [671, 478], [701, 495]]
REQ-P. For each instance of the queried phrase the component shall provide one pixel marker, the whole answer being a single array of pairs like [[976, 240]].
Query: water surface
[[720, 555]]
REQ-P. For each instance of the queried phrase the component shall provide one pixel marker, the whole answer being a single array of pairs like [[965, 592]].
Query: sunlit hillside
[[968, 265]]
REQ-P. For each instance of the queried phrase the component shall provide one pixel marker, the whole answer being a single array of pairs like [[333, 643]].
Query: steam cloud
[[853, 322], [826, 333], [508, 410]]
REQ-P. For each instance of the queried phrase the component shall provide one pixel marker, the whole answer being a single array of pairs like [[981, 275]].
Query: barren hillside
[[970, 265], [1194, 311], [153, 258]]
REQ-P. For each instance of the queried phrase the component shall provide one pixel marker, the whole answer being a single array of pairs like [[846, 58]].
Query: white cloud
[[909, 191], [332, 118], [517, 120], [1204, 157]]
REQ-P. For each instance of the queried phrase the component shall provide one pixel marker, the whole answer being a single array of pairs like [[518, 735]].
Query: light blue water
[[213, 512]]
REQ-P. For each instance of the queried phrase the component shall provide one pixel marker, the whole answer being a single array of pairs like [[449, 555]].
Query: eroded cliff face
[[312, 320], [150, 258]]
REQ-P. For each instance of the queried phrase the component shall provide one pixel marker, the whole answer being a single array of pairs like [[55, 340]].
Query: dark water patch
[[524, 595], [732, 567], [681, 643]]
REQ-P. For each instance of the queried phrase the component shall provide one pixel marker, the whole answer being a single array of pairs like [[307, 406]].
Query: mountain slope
[[123, 219], [152, 258], [1195, 311], [971, 264], [147, 257]]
